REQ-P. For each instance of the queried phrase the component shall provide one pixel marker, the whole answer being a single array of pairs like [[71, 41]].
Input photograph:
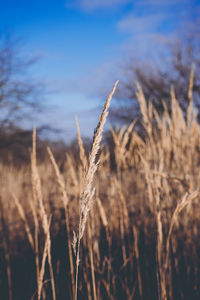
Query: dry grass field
[[121, 223]]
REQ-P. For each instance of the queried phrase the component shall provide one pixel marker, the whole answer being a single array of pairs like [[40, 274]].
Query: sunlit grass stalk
[[37, 194], [65, 200], [36, 243], [24, 219], [83, 157], [86, 197], [137, 255], [42, 270], [187, 198], [92, 261]]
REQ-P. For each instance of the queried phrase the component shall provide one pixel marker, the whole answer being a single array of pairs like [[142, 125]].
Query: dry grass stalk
[[190, 88], [87, 280], [178, 121], [123, 217], [42, 270], [122, 232], [36, 244], [72, 171], [123, 209], [191, 83], [137, 255], [23, 217], [86, 197], [59, 178], [149, 180], [160, 272], [154, 198], [171, 177], [6, 248], [83, 157], [65, 199], [127, 135], [121, 140], [187, 198], [37, 194], [158, 213], [118, 150], [104, 220], [143, 108], [92, 260], [102, 212]]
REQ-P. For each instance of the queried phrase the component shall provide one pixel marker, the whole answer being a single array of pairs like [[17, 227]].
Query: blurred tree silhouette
[[18, 91], [19, 97], [171, 68]]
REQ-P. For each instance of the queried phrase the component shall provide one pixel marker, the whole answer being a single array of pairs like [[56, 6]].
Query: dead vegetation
[[136, 226]]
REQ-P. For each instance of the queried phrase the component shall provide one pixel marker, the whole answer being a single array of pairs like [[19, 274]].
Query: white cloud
[[94, 83], [91, 5], [161, 2], [137, 25], [149, 20]]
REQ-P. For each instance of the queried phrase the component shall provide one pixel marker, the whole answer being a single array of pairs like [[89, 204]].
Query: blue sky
[[81, 44]]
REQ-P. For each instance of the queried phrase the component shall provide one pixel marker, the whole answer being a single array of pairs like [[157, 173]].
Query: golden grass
[[138, 207], [86, 198]]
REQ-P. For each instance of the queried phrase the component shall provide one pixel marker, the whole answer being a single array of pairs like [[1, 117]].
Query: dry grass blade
[[37, 195], [184, 202], [59, 178], [23, 217], [72, 171], [88, 191], [190, 88], [92, 261], [127, 134], [137, 255], [65, 198], [36, 243], [81, 147], [42, 270], [102, 212], [191, 82], [143, 108], [86, 198], [6, 248]]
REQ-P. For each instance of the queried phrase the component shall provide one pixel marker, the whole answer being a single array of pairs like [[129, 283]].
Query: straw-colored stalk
[[123, 218], [137, 255], [24, 219], [42, 270], [6, 248], [187, 198], [144, 109], [65, 200], [105, 223], [102, 212], [87, 280], [90, 243], [72, 172], [36, 243], [83, 157], [154, 199], [123, 205], [37, 194], [190, 88], [87, 194]]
